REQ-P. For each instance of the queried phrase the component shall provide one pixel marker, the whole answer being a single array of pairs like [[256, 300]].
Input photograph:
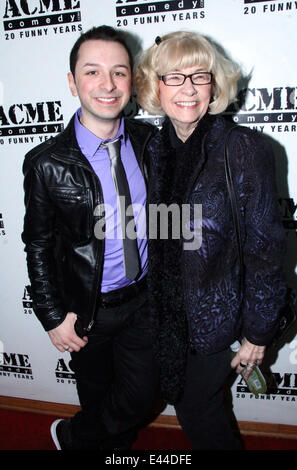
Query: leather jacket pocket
[[73, 212]]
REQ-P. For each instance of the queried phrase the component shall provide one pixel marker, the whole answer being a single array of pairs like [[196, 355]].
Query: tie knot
[[113, 147]]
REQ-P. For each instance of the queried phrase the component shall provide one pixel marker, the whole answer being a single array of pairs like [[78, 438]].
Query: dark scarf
[[175, 167]]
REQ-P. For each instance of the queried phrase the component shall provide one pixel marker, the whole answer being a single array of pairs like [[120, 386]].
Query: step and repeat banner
[[36, 37]]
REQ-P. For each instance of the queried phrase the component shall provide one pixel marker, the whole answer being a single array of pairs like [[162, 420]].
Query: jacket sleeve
[[264, 241], [39, 240]]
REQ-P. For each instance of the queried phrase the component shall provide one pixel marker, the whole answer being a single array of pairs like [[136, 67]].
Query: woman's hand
[[247, 357]]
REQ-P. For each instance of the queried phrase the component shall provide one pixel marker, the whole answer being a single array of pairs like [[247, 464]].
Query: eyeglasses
[[177, 79]]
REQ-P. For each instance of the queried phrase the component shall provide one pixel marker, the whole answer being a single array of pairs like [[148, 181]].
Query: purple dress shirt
[[113, 267]]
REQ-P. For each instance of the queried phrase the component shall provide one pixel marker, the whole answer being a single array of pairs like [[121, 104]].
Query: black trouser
[[117, 377], [201, 411]]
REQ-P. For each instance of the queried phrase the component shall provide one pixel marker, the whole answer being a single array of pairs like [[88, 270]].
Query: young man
[[85, 293]]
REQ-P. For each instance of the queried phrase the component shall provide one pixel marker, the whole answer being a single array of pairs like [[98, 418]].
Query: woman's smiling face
[[185, 104]]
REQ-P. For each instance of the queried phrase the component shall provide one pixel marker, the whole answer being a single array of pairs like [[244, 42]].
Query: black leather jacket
[[64, 257]]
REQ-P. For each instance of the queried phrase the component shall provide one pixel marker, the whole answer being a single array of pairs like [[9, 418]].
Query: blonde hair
[[184, 49]]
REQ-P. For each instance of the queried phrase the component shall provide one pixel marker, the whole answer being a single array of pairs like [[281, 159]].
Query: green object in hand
[[256, 382]]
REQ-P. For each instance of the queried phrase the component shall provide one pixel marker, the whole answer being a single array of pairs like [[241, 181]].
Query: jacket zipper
[[99, 260], [89, 327]]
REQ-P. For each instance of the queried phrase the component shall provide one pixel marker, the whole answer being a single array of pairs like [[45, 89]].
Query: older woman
[[199, 306]]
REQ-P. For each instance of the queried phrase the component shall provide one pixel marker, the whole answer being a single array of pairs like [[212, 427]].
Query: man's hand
[[247, 357], [64, 337]]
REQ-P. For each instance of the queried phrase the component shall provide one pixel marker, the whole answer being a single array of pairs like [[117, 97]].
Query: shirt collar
[[89, 142]]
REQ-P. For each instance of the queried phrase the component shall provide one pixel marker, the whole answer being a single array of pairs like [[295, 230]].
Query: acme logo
[[262, 99], [64, 373], [15, 363], [23, 14], [17, 8], [29, 118], [265, 105], [277, 384]]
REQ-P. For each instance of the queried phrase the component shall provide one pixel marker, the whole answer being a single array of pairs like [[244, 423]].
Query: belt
[[118, 297]]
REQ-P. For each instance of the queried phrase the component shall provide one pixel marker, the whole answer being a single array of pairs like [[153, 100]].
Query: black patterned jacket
[[195, 294]]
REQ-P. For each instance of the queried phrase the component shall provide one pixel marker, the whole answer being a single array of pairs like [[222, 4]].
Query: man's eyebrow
[[94, 64]]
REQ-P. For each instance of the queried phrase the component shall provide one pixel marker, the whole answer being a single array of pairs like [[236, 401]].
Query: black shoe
[[56, 433], [62, 434]]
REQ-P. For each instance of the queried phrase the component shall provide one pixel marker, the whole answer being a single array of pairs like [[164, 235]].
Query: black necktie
[[130, 247]]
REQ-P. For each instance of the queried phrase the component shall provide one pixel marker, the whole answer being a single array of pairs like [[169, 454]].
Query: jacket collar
[[68, 149]]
